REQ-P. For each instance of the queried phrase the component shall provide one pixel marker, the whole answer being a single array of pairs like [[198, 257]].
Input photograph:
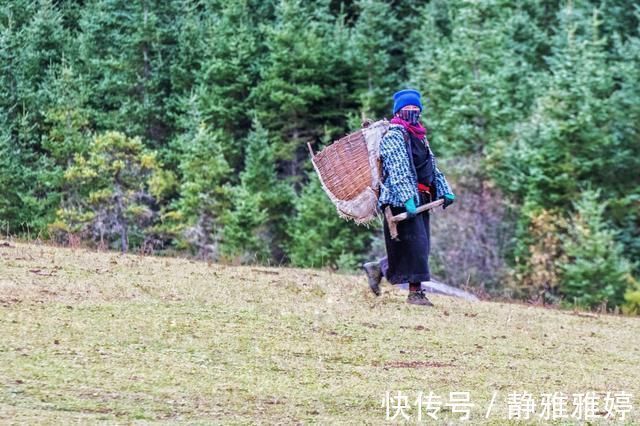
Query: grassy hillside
[[98, 336]]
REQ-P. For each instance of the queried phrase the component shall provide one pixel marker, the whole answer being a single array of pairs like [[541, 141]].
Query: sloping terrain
[[89, 336]]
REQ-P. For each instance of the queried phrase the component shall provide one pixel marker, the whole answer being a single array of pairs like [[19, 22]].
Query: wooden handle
[[420, 209]]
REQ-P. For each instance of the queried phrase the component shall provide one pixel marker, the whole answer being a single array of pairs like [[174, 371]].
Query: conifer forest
[[180, 127]]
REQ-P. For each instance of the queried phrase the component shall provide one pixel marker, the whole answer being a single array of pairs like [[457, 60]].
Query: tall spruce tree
[[204, 191], [255, 228], [373, 47], [67, 117], [124, 51], [305, 83], [32, 40], [460, 73], [567, 140], [228, 72], [319, 236], [624, 208], [596, 270], [572, 140]]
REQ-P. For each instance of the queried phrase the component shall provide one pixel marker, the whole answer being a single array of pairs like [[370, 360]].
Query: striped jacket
[[399, 181]]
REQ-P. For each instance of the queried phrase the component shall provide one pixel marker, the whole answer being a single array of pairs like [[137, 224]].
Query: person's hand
[[448, 200], [410, 206]]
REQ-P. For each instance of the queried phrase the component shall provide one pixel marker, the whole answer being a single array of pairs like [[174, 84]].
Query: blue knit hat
[[406, 97]]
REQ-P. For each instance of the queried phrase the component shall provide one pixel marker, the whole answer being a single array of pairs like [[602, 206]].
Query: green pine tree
[[373, 47], [244, 228], [32, 42], [596, 271], [108, 199], [255, 228], [124, 51], [567, 142], [305, 82], [204, 192], [228, 72], [624, 155], [67, 118], [319, 237], [462, 75]]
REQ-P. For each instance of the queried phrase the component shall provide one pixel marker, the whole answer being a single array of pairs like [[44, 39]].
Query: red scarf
[[416, 130]]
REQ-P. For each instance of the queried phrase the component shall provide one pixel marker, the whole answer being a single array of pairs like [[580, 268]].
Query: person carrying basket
[[409, 178]]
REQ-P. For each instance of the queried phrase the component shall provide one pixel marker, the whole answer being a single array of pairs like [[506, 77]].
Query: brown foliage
[[469, 238], [537, 277]]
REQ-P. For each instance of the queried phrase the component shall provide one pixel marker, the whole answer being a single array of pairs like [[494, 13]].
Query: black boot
[[374, 275], [418, 298]]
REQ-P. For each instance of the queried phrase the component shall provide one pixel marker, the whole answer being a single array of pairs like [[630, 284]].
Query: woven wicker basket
[[350, 172]]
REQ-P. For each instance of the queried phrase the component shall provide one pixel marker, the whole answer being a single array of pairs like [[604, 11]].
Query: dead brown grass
[[91, 336]]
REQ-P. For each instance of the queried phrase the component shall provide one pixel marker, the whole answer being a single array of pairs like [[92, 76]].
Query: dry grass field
[[97, 336]]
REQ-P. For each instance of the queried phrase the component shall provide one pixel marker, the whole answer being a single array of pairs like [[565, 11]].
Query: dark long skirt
[[407, 258]]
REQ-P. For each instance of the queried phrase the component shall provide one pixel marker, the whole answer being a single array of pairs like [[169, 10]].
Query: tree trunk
[[120, 219]]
